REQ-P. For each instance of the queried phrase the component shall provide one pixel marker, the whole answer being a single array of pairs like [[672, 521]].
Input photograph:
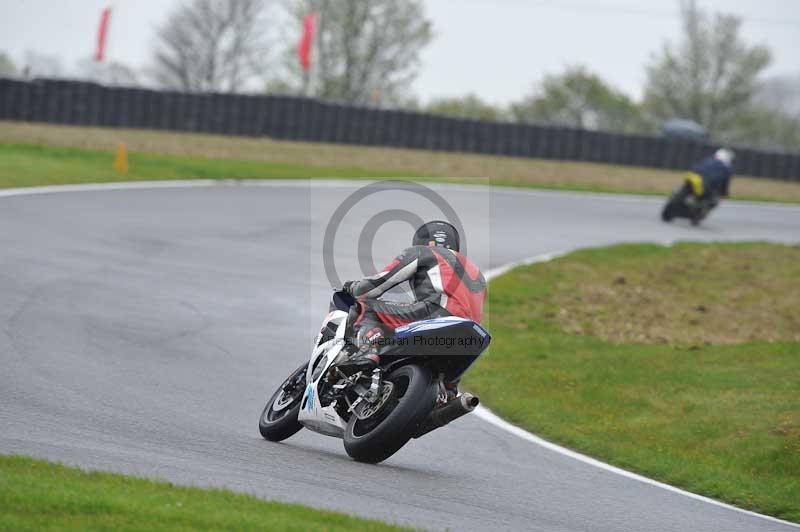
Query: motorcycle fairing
[[464, 329], [453, 343], [696, 182], [313, 415]]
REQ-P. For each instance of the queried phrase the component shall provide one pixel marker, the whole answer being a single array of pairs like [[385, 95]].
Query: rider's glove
[[348, 286]]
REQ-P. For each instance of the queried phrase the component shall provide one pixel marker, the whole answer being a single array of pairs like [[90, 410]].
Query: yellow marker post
[[121, 159]]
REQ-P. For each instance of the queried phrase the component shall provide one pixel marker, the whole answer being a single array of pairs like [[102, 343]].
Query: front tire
[[413, 398], [278, 420], [697, 216], [667, 214]]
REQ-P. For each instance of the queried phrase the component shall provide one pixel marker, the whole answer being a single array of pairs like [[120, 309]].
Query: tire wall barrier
[[304, 119]]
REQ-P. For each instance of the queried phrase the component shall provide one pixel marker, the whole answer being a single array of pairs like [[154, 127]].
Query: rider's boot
[[366, 358], [360, 361]]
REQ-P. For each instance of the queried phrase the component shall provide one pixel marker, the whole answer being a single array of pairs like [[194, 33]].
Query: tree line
[[367, 52], [710, 76]]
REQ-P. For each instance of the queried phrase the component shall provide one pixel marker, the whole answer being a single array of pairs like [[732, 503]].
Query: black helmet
[[437, 233]]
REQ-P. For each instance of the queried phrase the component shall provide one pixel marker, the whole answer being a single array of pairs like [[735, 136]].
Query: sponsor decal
[[478, 329], [309, 398]]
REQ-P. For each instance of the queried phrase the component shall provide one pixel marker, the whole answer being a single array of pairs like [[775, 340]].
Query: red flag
[[304, 47], [102, 34]]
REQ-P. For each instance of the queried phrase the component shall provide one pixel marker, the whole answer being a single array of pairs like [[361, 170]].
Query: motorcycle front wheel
[[668, 213], [377, 437], [675, 204], [278, 420]]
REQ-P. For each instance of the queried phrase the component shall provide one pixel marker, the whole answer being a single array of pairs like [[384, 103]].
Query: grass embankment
[[214, 156], [681, 363], [37, 495]]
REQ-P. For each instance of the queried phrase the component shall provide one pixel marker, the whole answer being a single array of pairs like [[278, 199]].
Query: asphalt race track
[[143, 329]]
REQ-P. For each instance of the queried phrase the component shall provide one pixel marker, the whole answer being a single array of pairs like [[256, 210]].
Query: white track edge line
[[99, 187], [481, 412], [490, 417]]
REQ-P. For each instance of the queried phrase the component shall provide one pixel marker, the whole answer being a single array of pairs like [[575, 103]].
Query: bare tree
[[7, 68], [39, 65], [212, 45], [710, 76], [107, 72], [366, 51]]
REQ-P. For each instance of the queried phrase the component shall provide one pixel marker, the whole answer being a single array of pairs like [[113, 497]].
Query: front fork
[[366, 394]]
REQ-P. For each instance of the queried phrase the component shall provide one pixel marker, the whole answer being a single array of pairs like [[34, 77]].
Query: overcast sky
[[494, 48]]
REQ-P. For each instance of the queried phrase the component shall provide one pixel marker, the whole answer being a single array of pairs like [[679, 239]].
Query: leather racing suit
[[443, 282]]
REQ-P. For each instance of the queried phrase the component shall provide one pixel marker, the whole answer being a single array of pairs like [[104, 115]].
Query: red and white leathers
[[443, 283]]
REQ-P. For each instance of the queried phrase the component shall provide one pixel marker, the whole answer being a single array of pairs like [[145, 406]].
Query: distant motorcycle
[[377, 413], [682, 203]]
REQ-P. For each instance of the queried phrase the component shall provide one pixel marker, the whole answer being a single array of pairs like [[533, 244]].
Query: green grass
[[720, 420], [38, 495], [24, 165]]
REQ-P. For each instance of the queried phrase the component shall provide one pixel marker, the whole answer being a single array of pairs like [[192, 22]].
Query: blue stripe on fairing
[[442, 323], [434, 321]]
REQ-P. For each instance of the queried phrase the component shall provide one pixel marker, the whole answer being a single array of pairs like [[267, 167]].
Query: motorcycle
[[682, 203], [376, 413]]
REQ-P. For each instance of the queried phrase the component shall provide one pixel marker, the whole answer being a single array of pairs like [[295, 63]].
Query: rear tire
[[415, 394], [278, 424]]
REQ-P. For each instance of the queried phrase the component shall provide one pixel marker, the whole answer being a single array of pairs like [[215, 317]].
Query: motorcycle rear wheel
[[278, 420], [378, 437]]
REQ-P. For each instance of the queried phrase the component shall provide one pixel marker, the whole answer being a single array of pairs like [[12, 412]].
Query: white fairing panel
[[312, 414]]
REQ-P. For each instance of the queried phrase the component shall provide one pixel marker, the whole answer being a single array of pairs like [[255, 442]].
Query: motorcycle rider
[[443, 281], [710, 179]]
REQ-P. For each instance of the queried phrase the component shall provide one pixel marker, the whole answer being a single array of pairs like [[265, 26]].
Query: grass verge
[[263, 157], [38, 495], [23, 165], [718, 419]]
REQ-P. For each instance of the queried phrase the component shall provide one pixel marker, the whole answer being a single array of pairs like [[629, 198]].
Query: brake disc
[[366, 409]]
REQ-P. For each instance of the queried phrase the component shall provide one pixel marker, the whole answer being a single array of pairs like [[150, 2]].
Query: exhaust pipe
[[450, 411]]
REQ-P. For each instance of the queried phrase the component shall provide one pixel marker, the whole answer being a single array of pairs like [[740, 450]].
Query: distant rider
[[710, 178], [443, 281]]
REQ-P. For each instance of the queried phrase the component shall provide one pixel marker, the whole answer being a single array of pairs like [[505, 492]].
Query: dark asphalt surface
[[142, 331]]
